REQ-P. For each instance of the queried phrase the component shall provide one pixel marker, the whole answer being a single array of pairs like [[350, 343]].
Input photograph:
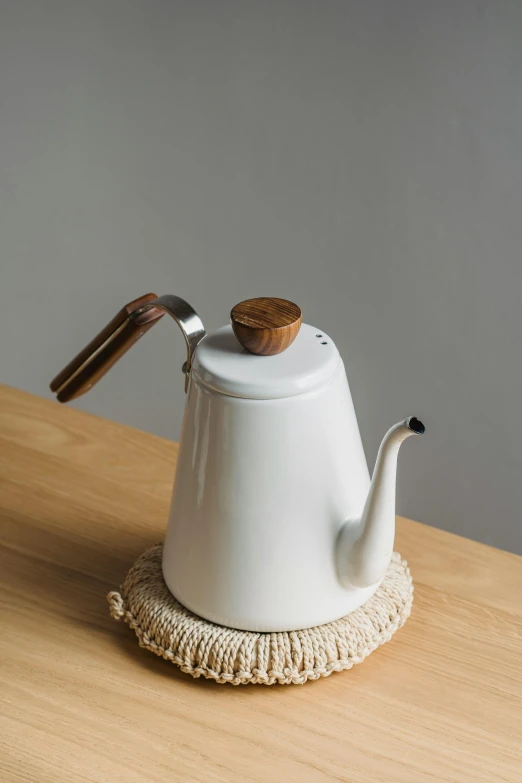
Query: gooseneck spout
[[365, 549]]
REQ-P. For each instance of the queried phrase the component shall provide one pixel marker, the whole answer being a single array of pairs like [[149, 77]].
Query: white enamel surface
[[364, 551], [262, 490], [222, 364]]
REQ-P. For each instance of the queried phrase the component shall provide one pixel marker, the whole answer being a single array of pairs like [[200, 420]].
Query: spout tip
[[415, 425]]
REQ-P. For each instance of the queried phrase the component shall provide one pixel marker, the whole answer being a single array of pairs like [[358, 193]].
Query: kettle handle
[[120, 334]]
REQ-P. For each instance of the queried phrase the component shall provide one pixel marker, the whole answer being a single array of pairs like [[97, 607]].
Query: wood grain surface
[[266, 325], [104, 350], [80, 498]]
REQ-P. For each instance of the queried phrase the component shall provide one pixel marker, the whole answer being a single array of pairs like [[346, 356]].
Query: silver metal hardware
[[186, 318]]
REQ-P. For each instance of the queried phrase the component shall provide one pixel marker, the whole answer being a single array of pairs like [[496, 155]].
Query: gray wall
[[361, 158]]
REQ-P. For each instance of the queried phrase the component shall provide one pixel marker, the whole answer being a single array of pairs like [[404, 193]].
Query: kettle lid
[[266, 353]]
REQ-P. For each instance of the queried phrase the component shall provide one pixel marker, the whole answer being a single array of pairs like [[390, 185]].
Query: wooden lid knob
[[266, 326]]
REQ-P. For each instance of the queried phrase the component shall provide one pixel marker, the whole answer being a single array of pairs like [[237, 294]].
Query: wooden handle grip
[[114, 340]]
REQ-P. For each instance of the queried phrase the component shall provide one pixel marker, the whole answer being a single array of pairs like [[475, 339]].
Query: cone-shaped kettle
[[364, 549], [274, 522]]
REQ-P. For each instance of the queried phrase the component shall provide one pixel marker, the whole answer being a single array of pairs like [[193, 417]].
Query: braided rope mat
[[199, 647]]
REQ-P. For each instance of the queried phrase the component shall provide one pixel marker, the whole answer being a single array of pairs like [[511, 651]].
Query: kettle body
[[262, 489]]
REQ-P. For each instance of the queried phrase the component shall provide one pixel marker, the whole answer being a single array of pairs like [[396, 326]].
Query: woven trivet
[[199, 647]]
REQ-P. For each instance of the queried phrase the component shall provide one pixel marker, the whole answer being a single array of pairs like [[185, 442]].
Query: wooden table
[[80, 701]]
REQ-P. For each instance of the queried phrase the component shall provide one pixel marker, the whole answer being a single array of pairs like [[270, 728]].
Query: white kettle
[[274, 523]]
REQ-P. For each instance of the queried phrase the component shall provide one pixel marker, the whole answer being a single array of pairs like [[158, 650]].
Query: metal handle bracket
[[186, 318]]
